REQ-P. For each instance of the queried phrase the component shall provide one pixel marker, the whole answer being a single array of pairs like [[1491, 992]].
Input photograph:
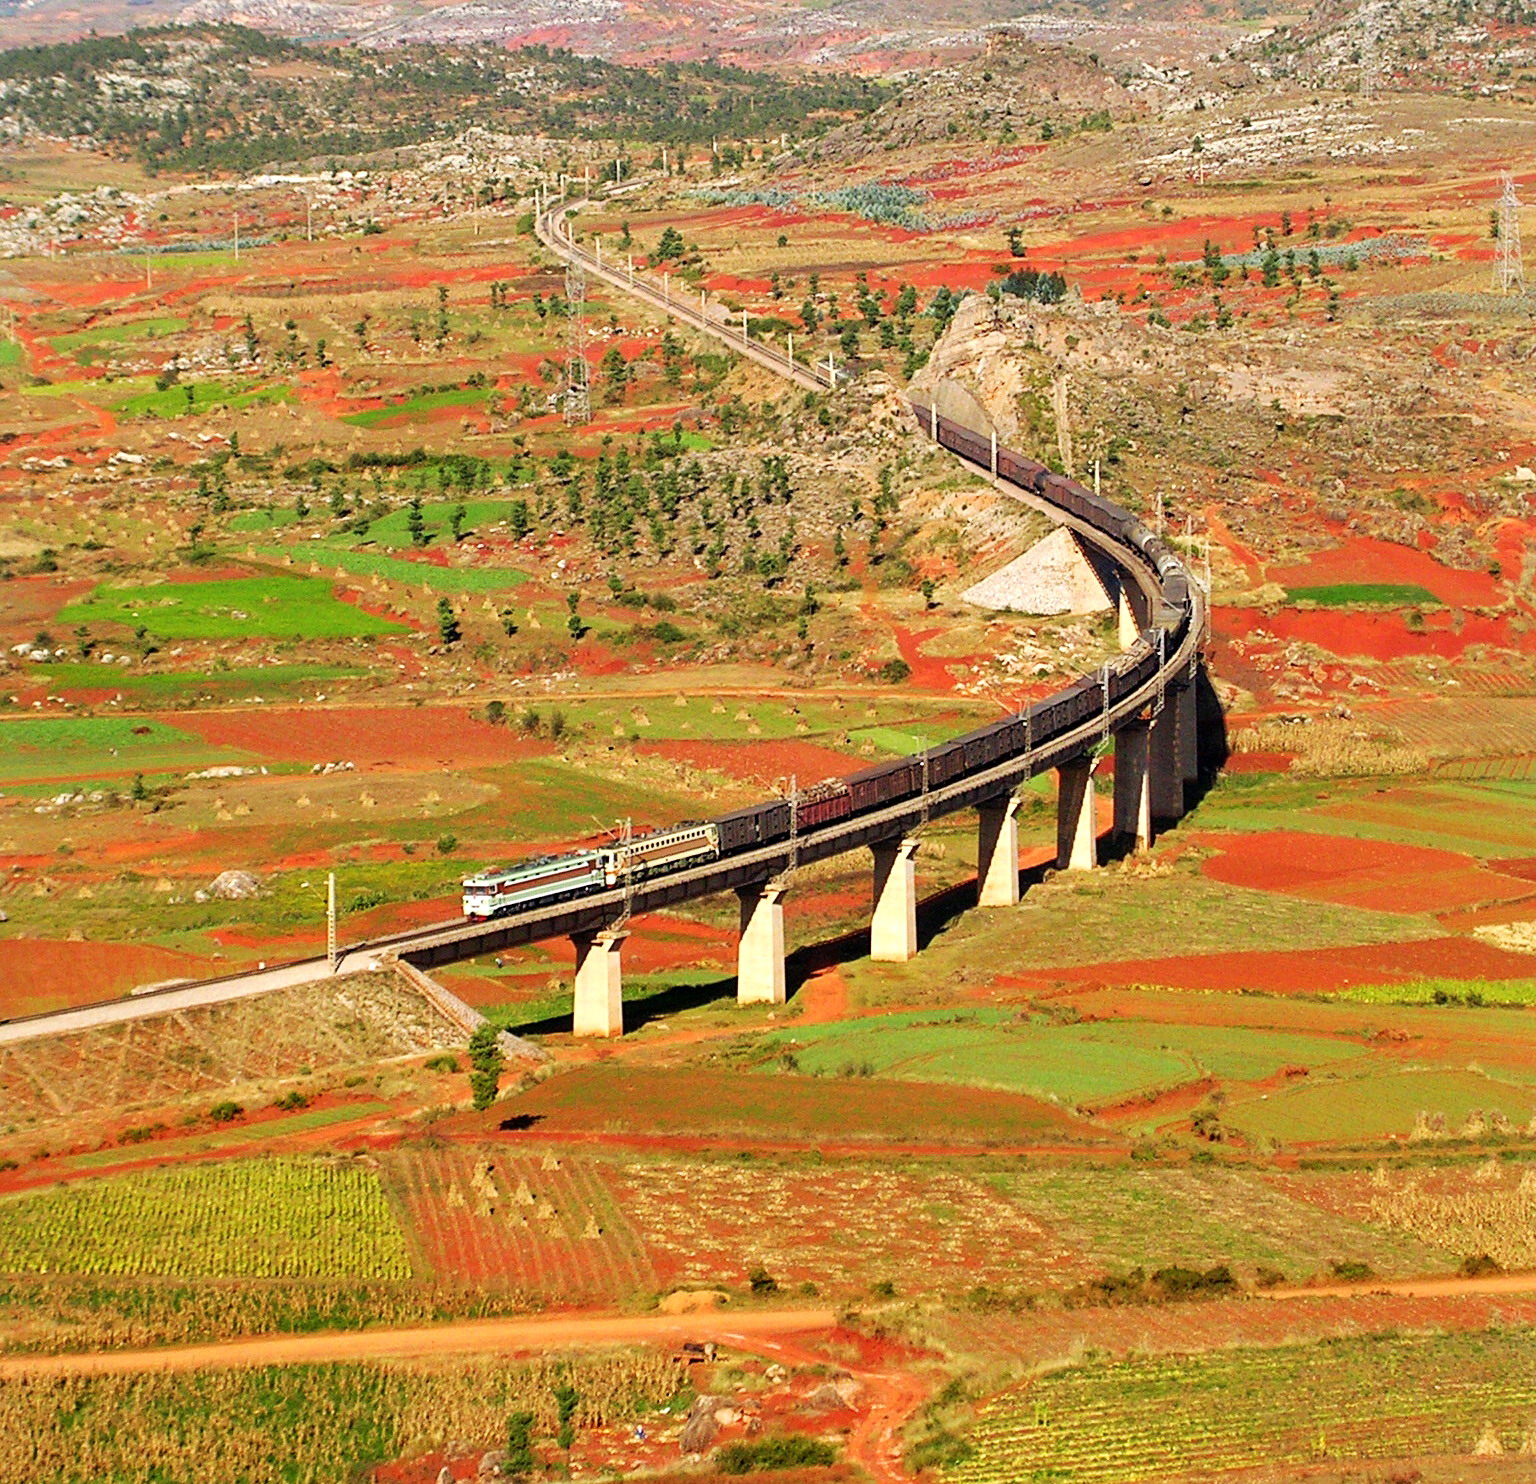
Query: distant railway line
[[1145, 698]]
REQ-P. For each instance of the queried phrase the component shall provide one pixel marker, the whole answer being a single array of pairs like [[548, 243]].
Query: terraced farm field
[[1352, 1399], [548, 1225], [245, 1218]]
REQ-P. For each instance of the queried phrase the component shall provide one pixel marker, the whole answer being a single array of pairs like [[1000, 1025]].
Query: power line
[[1509, 265], [578, 383]]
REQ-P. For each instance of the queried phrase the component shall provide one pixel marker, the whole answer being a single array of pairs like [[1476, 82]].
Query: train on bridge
[[828, 804]]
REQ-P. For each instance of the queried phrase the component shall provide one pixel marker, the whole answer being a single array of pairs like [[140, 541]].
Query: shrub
[[225, 1112], [447, 844], [447, 1062], [486, 1062], [291, 1102], [893, 672], [762, 1281], [781, 1451]]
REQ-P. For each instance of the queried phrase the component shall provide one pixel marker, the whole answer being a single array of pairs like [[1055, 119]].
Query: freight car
[[834, 800]]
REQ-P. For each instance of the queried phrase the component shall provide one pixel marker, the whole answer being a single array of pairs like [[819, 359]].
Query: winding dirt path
[[892, 1394], [469, 1337], [1493, 1284]]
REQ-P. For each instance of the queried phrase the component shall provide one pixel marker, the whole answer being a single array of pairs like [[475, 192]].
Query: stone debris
[[234, 886]]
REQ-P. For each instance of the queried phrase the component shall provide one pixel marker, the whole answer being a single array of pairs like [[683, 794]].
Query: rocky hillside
[[1011, 94]]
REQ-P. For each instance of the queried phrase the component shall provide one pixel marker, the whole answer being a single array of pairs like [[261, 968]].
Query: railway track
[[1147, 568]]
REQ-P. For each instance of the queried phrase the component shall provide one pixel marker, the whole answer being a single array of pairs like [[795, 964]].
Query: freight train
[[552, 879]]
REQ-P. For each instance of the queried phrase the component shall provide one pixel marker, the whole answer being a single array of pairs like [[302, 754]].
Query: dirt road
[[1411, 1287], [468, 1338]]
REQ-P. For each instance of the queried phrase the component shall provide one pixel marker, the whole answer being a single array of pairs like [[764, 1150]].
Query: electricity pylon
[[578, 384], [1509, 265]]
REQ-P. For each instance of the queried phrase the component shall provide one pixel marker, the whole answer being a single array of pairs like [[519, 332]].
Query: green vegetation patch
[[1196, 1217], [1176, 1416], [703, 1100], [1365, 594], [1487, 818], [161, 687], [1067, 1063], [11, 353], [189, 397], [323, 1424], [1325, 1111], [229, 1137], [1472, 993], [120, 333], [79, 746], [399, 569], [413, 407], [1106, 917], [235, 608], [251, 1218]]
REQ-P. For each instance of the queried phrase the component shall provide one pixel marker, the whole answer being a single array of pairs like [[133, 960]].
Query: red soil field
[[1376, 636], [38, 974], [1364, 559], [697, 1100], [760, 762], [1300, 970], [372, 736], [1357, 873]]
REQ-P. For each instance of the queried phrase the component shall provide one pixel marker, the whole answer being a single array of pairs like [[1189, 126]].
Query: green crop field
[[1167, 1417], [413, 407], [10, 353], [400, 569], [1486, 818], [119, 333], [234, 608], [1366, 594], [159, 688], [1071, 1063], [1197, 1217], [252, 1218], [1469, 992], [321, 1424], [191, 397], [83, 746], [1351, 1110]]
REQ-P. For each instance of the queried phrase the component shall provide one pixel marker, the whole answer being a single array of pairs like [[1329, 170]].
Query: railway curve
[[1147, 691]]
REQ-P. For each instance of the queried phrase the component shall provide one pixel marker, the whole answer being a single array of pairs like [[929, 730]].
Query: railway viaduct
[[1155, 730]]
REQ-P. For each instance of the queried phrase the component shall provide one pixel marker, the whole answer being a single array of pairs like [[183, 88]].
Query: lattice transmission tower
[[1509, 264], [578, 383]]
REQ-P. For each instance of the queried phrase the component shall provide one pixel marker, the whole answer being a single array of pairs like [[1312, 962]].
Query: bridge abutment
[[997, 852], [893, 924], [1077, 830], [760, 950], [599, 1007], [1133, 791]]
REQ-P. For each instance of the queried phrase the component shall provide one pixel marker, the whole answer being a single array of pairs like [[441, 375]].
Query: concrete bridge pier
[[1128, 631], [1077, 832], [997, 852], [760, 950], [1166, 775], [599, 1009], [1133, 784], [893, 925], [1189, 733]]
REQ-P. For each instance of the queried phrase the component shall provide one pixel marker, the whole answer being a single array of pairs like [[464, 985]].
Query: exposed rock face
[[1059, 574]]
